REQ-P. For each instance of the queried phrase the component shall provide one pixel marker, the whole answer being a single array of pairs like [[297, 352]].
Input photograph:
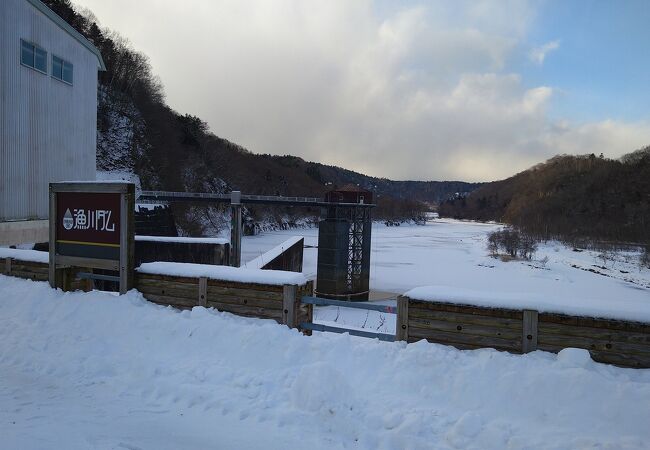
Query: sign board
[[92, 226]]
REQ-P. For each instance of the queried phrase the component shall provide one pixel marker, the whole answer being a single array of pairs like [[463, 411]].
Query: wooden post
[[529, 334], [66, 279], [52, 272], [402, 321], [290, 304], [203, 291], [7, 266]]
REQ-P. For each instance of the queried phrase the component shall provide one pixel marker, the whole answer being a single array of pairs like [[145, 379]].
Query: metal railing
[[97, 276], [317, 301], [209, 197]]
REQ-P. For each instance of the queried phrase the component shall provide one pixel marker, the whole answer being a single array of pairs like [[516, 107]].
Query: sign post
[[92, 225]]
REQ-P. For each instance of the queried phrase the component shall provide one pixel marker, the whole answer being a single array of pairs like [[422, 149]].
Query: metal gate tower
[[344, 245]]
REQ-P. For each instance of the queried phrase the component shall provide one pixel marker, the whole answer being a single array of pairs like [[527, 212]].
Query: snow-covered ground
[[98, 371], [451, 256]]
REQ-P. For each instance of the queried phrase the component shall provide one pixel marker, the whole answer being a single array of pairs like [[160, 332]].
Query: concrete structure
[[48, 114]]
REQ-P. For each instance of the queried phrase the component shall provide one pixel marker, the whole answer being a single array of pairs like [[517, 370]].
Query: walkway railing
[[317, 301]]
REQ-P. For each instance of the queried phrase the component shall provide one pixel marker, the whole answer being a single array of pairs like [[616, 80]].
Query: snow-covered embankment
[[93, 370]]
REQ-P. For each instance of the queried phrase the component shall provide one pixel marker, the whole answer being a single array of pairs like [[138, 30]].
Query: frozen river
[[452, 257], [453, 254]]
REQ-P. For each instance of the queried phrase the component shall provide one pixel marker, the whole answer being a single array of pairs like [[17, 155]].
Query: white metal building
[[48, 114]]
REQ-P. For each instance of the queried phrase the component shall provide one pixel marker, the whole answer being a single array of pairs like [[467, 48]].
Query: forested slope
[[569, 197]]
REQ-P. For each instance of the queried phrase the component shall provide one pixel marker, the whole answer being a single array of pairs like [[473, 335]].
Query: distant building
[[48, 114], [349, 193]]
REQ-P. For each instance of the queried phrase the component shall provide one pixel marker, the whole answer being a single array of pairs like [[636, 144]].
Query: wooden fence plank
[[450, 338], [27, 269], [247, 301], [609, 324], [243, 291], [453, 317], [465, 309], [248, 311], [595, 333], [7, 267], [560, 341], [167, 283], [269, 288], [466, 328], [171, 301], [458, 345], [189, 292], [29, 275]]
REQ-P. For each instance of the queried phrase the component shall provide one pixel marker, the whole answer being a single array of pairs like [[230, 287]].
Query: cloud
[[538, 54], [411, 91]]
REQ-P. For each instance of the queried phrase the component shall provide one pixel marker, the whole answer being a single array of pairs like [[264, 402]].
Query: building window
[[61, 69], [33, 56]]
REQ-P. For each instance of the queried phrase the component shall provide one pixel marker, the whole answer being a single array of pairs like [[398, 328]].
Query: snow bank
[[226, 273], [186, 240], [25, 255], [93, 370], [633, 309], [118, 176], [270, 255]]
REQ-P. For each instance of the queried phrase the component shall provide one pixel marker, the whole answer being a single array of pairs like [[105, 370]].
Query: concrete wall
[[290, 260], [47, 128], [182, 250], [20, 232]]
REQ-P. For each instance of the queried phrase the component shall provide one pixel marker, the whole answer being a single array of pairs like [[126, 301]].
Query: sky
[[424, 90]]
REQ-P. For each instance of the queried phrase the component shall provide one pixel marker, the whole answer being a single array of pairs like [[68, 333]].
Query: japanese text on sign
[[85, 219]]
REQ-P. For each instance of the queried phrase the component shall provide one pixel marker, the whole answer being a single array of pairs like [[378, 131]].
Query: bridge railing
[[317, 301]]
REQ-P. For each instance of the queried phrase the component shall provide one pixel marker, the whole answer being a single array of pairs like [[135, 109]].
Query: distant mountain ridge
[[430, 192]]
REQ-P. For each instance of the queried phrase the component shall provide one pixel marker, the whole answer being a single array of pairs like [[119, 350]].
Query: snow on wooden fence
[[264, 301], [25, 269], [620, 342], [264, 294], [286, 256]]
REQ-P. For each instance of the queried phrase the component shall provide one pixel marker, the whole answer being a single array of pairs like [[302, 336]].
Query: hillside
[[139, 134], [569, 197]]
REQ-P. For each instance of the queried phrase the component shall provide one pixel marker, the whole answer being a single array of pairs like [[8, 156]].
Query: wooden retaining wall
[[263, 301], [38, 271], [618, 342]]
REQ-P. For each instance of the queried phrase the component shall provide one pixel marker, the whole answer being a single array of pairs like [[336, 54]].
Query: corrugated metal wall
[[48, 129]]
